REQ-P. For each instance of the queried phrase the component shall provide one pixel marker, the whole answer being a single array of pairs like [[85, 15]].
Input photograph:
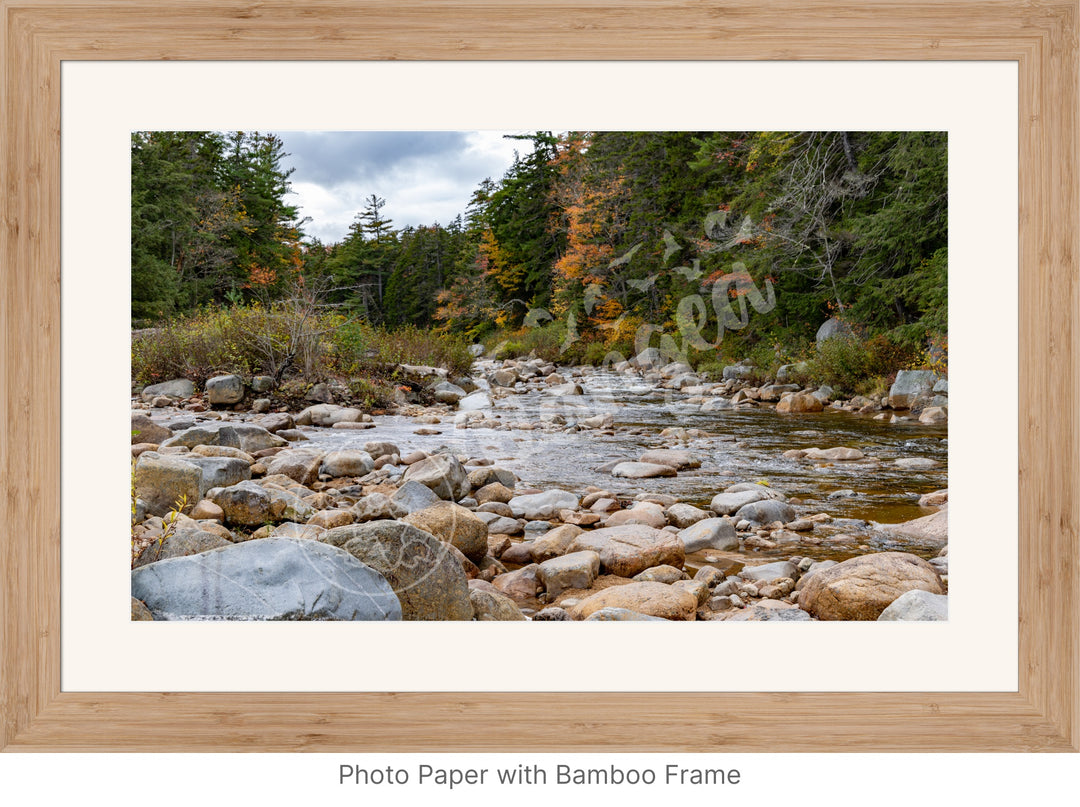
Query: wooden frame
[[37, 35]]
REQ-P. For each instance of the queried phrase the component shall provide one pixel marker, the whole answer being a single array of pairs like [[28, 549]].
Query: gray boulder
[[267, 579], [724, 504], [180, 544], [246, 503], [474, 402], [917, 606], [765, 511], [413, 496], [347, 462], [177, 388], [909, 385], [543, 505], [162, 480], [711, 533], [833, 328], [576, 570], [225, 389], [446, 392], [145, 430], [301, 464], [219, 472], [426, 577], [443, 473]]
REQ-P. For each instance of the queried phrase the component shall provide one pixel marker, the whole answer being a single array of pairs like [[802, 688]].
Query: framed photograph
[[1001, 94]]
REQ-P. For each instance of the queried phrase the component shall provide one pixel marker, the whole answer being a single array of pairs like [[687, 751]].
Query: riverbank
[[640, 491]]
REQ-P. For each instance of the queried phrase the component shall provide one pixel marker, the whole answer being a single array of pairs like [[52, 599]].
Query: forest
[[588, 242]]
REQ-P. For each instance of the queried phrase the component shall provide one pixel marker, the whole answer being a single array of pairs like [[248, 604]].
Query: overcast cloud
[[424, 176]]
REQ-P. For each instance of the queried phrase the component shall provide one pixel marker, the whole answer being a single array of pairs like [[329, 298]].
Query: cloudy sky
[[424, 176]]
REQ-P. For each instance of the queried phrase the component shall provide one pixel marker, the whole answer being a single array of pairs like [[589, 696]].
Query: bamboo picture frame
[[1041, 37]]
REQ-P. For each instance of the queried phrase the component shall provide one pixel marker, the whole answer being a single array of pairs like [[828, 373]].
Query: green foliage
[[252, 340], [855, 366]]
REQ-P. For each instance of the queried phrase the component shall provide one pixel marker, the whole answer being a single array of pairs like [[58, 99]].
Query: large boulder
[[445, 392], [641, 513], [543, 505], [642, 470], [219, 472], [710, 533], [177, 388], [413, 496], [553, 543], [833, 328], [379, 506], [861, 588], [454, 524], [765, 511], [347, 462], [443, 473], [493, 606], [909, 385], [225, 390], [684, 515], [266, 579], [917, 606], [679, 460], [327, 414], [575, 570], [427, 578], [162, 480], [245, 504], [474, 402], [301, 464], [768, 572], [205, 434], [631, 548], [800, 402], [724, 504], [933, 529], [145, 430], [490, 474], [650, 599]]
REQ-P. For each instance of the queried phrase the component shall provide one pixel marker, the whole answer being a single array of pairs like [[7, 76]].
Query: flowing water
[[747, 447]]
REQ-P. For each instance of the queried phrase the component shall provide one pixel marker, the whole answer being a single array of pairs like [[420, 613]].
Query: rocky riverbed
[[527, 491]]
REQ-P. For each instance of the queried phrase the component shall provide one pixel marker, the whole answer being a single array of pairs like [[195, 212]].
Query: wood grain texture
[[36, 35]]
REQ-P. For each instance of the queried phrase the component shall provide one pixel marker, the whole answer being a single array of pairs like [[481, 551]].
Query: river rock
[[621, 615], [177, 388], [379, 506], [474, 402], [425, 575], [162, 481], [684, 515], [454, 524], [933, 528], [553, 543], [861, 588], [765, 511], [711, 533], [648, 513], [650, 599], [764, 613], [715, 404], [916, 463], [267, 579], [180, 544], [495, 492], [225, 390], [604, 421], [839, 454], [739, 372], [724, 504], [291, 529], [631, 548], [287, 506], [917, 606], [205, 434], [219, 472], [301, 464], [543, 505], [501, 525], [661, 574], [445, 392], [768, 572], [443, 474], [145, 430], [574, 570], [934, 414], [679, 460], [140, 613], [347, 462], [493, 606], [774, 392], [244, 504], [328, 415], [935, 499], [641, 470], [909, 385], [413, 496], [800, 402], [522, 585], [490, 474]]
